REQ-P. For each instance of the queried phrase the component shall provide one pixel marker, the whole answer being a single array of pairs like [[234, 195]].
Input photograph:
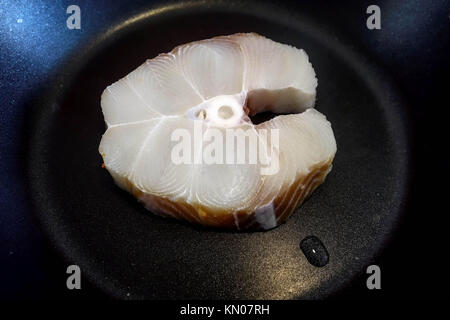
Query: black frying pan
[[130, 253]]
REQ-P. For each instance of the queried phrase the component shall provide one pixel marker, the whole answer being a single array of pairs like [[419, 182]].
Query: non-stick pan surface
[[130, 253]]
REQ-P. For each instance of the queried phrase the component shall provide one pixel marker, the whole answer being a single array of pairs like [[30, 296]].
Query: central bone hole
[[225, 112]]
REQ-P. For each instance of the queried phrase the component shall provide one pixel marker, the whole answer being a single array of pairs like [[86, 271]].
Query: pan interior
[[131, 253]]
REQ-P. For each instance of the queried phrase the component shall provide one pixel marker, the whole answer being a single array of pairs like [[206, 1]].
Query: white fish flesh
[[205, 89]]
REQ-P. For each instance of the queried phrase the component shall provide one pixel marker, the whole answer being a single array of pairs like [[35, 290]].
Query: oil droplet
[[314, 251]]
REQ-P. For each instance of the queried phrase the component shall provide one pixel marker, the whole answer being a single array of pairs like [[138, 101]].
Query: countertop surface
[[412, 45]]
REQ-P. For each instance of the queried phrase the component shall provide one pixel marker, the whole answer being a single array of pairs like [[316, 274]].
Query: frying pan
[[130, 253]]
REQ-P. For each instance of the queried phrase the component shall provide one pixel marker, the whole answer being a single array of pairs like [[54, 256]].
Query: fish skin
[[284, 204]]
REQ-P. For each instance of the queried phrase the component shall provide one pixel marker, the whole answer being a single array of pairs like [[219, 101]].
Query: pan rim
[[92, 47]]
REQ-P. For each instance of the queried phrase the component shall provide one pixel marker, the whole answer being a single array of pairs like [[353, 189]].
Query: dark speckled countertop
[[413, 45]]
